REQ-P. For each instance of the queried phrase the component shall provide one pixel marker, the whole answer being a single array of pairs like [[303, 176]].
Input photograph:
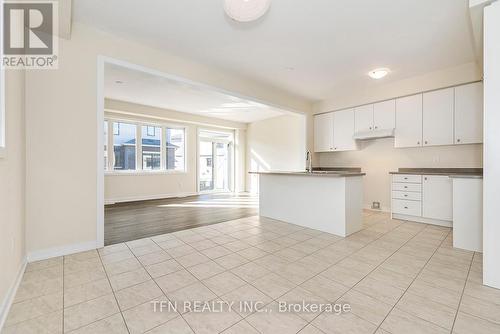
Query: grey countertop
[[323, 173], [465, 176], [338, 169], [451, 172]]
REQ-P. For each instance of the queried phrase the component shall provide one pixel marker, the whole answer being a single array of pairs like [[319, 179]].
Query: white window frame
[[139, 168], [162, 139], [164, 148], [3, 127], [111, 148]]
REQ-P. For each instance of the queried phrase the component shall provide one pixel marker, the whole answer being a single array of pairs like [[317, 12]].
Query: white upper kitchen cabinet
[[343, 130], [437, 197], [363, 118], [438, 110], [384, 115], [408, 131], [469, 113], [323, 132]]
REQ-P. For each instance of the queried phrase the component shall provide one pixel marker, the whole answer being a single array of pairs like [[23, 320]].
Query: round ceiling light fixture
[[246, 10], [378, 73]]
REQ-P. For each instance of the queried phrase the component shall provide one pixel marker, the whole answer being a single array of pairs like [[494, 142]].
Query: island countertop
[[323, 173]]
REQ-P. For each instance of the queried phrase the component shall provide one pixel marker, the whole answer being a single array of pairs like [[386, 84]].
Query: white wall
[[12, 184], [381, 91], [491, 192], [122, 187], [378, 157], [61, 127], [277, 143]]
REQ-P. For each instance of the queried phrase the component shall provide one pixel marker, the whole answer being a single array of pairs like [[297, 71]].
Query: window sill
[[143, 172]]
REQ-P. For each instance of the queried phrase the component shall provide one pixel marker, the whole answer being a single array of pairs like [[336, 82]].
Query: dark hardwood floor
[[135, 220]]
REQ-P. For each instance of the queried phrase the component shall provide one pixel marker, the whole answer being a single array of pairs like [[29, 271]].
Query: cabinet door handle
[[370, 127], [458, 140], [425, 142], [425, 179], [406, 187], [406, 178], [406, 195], [418, 143], [406, 207], [376, 127]]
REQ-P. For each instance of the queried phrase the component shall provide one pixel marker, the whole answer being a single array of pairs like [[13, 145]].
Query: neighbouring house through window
[[160, 147]]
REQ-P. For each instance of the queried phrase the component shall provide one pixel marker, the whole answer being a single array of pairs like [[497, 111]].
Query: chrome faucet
[[309, 161]]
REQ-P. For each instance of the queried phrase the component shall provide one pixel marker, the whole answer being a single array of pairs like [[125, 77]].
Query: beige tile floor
[[398, 277]]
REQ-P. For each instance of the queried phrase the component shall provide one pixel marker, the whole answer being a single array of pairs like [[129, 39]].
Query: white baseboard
[[11, 293], [108, 201], [60, 251], [423, 220]]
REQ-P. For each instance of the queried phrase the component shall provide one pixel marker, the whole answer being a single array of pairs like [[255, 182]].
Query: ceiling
[[309, 48], [130, 85]]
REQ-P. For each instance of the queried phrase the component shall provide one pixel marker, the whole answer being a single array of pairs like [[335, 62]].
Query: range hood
[[374, 134]]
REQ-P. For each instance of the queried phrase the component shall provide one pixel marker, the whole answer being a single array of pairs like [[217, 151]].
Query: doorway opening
[[215, 161]]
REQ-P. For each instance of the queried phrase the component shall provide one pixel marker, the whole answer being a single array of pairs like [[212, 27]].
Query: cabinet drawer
[[404, 207], [406, 178], [413, 187], [414, 196]]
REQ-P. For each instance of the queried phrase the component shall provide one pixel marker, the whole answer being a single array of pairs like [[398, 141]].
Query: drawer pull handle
[[406, 178], [406, 195], [406, 207], [406, 187]]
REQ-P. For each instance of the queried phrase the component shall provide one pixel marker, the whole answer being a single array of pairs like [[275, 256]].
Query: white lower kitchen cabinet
[[423, 198], [468, 213], [437, 197]]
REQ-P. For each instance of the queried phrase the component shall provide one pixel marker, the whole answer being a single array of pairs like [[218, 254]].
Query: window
[[124, 146], [151, 147], [159, 147], [116, 129], [150, 130], [175, 152], [106, 140]]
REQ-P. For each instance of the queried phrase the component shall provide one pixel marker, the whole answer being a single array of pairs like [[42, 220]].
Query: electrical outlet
[[376, 205]]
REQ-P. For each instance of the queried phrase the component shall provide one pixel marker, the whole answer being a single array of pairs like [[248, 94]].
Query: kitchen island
[[328, 201]]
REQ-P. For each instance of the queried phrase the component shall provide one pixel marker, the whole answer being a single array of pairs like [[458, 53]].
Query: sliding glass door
[[221, 166], [215, 162], [206, 166]]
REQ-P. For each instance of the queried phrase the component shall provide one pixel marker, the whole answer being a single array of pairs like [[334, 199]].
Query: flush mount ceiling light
[[246, 10], [378, 73]]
